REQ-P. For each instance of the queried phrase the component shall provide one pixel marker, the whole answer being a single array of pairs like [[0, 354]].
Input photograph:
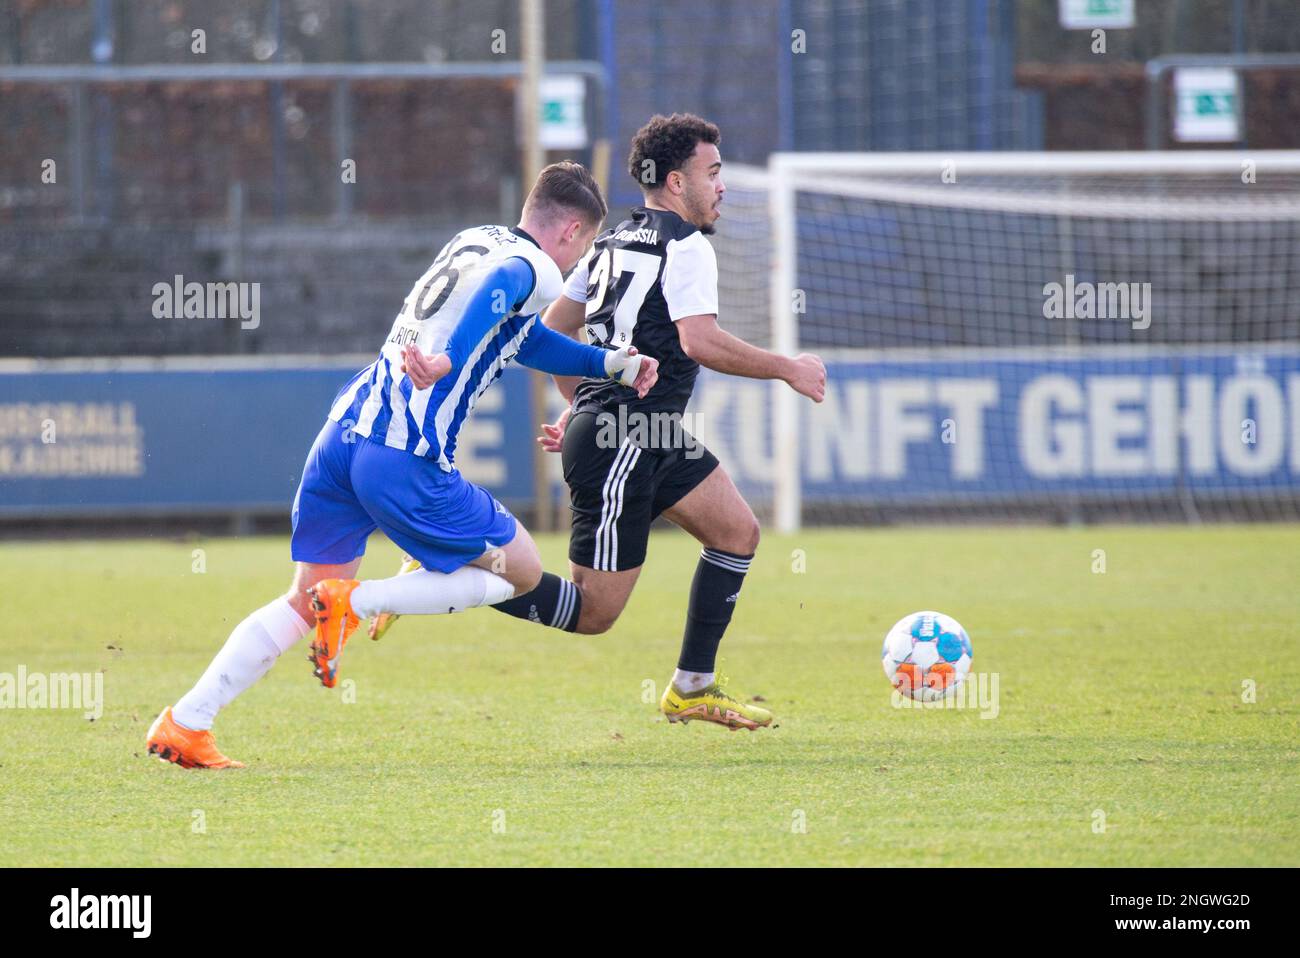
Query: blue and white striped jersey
[[380, 402]]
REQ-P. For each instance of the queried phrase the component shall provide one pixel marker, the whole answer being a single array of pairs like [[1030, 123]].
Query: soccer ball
[[926, 655]]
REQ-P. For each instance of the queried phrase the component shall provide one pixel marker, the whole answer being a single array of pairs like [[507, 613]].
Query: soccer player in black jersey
[[652, 283]]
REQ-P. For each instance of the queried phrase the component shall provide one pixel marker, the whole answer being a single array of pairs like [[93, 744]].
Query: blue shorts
[[351, 488]]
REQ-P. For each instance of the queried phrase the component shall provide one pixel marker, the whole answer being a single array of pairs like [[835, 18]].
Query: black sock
[[555, 602], [714, 592]]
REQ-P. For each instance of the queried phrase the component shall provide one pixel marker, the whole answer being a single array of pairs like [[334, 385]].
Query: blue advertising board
[[231, 435], [1000, 424], [200, 436]]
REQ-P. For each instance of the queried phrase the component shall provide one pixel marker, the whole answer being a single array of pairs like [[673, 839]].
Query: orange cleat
[[331, 599], [185, 747]]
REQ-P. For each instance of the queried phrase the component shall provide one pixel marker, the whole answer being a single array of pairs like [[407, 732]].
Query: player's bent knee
[[742, 539], [527, 581], [595, 618], [595, 622], [524, 574]]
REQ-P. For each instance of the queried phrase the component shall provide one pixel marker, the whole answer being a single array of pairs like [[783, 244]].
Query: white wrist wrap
[[622, 367]]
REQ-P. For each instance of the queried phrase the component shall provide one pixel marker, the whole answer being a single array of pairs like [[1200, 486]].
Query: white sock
[[247, 655], [426, 592], [691, 681]]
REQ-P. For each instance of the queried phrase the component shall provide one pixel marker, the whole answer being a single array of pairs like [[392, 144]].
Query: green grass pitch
[[1125, 732]]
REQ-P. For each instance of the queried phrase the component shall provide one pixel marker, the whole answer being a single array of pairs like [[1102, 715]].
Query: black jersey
[[637, 281]]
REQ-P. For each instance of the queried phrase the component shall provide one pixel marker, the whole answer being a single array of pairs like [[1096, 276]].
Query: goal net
[[1076, 337]]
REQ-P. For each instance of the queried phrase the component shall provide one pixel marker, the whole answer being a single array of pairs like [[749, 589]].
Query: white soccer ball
[[926, 655]]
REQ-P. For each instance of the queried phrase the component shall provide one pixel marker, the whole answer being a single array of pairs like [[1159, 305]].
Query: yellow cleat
[[382, 622], [712, 704]]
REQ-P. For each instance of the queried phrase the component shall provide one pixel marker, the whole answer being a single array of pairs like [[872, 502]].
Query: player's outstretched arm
[[712, 346], [566, 316], [551, 352]]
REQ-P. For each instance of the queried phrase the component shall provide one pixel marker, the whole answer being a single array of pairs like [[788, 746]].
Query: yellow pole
[[533, 53]]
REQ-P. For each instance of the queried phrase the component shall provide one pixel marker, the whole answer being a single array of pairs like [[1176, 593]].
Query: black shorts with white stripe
[[618, 488]]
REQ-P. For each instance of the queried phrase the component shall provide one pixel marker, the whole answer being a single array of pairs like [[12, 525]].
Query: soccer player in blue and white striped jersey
[[385, 458]]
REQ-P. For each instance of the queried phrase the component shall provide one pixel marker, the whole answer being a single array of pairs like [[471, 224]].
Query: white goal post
[[948, 259]]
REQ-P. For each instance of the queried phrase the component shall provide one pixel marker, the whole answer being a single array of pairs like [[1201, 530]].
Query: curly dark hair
[[665, 144]]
